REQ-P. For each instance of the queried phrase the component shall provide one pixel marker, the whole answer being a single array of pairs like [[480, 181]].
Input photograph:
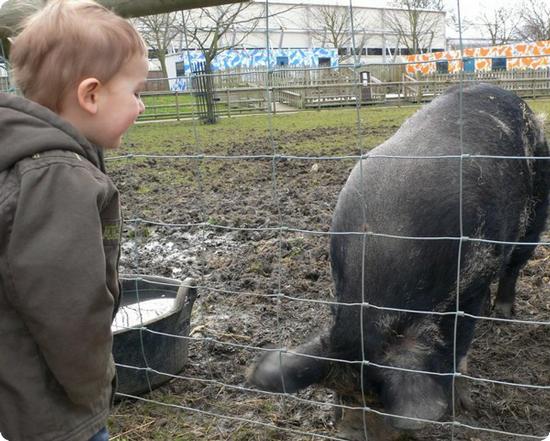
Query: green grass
[[163, 105], [541, 106], [184, 99], [169, 106], [252, 134]]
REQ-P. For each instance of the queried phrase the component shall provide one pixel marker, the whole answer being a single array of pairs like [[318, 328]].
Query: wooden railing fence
[[253, 90]]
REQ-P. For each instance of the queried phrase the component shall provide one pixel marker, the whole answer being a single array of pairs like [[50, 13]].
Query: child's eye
[[137, 95]]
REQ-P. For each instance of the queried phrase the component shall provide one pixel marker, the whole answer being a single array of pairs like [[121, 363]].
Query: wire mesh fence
[[228, 331], [256, 224], [258, 237]]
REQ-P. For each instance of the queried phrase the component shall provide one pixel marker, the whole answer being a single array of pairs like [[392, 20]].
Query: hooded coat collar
[[27, 128]]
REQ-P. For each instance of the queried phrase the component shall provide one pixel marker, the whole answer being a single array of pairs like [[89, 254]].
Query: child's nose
[[141, 106]]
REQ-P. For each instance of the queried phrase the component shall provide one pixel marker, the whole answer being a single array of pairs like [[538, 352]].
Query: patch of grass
[[255, 132], [149, 100], [163, 105], [542, 106], [330, 132], [171, 106]]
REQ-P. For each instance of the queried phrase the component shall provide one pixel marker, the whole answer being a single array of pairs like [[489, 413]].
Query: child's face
[[120, 103]]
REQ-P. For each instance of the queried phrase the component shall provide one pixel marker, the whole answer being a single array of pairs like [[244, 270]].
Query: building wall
[[294, 31], [534, 55], [251, 58], [297, 27], [294, 25], [246, 59]]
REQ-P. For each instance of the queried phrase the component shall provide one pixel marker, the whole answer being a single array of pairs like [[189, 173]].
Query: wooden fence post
[[228, 103]]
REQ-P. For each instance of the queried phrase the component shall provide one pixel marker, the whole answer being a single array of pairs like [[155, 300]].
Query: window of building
[[324, 61], [374, 51], [442, 67], [342, 51], [282, 61], [404, 51], [499, 63], [180, 68]]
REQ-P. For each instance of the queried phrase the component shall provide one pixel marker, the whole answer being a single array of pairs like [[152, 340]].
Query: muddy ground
[[240, 272]]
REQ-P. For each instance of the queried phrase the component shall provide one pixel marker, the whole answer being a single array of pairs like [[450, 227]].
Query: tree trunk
[[162, 60], [210, 104], [14, 11]]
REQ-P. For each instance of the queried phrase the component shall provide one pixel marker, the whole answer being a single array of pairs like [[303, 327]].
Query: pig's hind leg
[[506, 292]]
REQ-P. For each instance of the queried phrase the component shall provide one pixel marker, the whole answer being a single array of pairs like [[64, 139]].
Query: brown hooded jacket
[[59, 247]]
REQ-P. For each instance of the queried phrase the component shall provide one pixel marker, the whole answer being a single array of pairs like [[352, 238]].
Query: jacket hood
[[27, 128]]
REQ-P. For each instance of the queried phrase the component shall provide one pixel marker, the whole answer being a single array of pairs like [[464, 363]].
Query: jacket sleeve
[[57, 266]]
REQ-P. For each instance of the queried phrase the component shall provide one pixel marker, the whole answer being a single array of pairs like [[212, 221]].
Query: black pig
[[501, 200]]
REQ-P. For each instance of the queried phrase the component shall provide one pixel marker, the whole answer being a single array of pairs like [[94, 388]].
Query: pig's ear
[[415, 396]]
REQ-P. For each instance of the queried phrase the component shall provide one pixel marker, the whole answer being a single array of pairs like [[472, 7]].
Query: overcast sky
[[469, 9]]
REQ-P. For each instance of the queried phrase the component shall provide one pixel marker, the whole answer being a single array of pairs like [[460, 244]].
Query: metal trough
[[136, 349]]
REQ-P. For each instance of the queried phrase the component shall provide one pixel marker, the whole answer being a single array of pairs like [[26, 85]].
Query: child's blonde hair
[[66, 42]]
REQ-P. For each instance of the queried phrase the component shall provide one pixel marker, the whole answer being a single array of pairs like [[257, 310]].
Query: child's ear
[[87, 94]]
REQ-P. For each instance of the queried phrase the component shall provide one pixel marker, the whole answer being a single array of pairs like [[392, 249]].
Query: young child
[[81, 69]]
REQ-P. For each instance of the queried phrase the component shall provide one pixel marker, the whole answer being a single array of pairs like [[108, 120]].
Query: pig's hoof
[[503, 310], [266, 373]]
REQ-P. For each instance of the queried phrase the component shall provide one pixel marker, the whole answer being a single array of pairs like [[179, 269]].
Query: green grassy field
[[350, 131], [187, 136], [162, 106]]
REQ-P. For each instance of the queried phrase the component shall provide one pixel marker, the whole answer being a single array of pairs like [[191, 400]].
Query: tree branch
[[13, 12]]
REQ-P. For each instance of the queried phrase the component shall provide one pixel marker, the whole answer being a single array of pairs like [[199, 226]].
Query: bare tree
[[159, 31], [329, 26], [499, 24], [535, 20], [12, 12], [456, 24], [217, 29], [412, 24]]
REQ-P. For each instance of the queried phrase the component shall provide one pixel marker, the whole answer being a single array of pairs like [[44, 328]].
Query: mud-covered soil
[[241, 270]]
